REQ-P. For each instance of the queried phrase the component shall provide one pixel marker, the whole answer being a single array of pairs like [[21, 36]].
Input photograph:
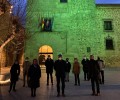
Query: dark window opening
[[88, 49], [108, 25], [63, 1], [109, 44]]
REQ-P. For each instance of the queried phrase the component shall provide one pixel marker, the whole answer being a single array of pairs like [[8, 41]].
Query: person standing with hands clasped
[[67, 70], [34, 74], [59, 67], [49, 63], [85, 62], [76, 71], [94, 74]]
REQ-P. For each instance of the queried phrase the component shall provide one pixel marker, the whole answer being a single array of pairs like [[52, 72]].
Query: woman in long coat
[[76, 71], [15, 72], [34, 74]]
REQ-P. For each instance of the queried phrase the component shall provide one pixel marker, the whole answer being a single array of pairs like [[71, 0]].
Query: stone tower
[[73, 28]]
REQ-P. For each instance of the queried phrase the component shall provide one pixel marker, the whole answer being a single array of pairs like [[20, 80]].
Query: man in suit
[[59, 67], [49, 63]]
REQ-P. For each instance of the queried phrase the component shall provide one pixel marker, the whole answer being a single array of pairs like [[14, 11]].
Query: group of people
[[93, 69], [62, 69], [86, 68], [32, 71]]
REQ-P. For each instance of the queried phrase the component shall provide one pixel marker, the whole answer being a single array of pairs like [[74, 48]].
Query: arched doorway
[[44, 51]]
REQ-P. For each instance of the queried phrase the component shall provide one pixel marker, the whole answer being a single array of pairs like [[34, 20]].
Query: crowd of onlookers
[[93, 70]]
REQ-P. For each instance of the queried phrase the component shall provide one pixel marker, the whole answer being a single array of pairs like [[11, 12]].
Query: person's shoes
[[100, 82], [58, 95], [93, 94], [32, 95], [98, 94], [66, 80], [9, 91], [14, 90], [75, 84], [52, 83], [63, 95]]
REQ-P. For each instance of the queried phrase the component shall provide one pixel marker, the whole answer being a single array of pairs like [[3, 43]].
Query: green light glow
[[77, 25]]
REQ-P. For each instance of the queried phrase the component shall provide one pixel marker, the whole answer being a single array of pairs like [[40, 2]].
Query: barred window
[[63, 1], [109, 44], [108, 25]]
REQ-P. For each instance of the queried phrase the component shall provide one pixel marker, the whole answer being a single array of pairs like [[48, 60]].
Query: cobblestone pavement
[[109, 91]]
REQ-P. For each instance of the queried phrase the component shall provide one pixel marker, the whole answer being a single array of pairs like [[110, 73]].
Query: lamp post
[[66, 42]]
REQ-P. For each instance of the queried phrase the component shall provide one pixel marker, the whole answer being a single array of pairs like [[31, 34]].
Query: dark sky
[[108, 1]]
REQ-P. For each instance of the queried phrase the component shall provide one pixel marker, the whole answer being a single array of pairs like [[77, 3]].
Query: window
[[88, 49], [46, 24], [109, 44], [63, 1], [108, 25]]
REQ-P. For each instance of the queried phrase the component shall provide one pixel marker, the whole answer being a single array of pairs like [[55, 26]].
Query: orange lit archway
[[44, 51]]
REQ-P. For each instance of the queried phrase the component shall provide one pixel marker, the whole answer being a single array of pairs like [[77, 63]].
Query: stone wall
[[77, 25], [112, 12]]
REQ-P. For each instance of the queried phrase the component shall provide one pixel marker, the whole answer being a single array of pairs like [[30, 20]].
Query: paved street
[[109, 91]]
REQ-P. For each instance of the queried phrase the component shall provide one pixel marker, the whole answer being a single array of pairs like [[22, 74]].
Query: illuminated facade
[[79, 27], [74, 28]]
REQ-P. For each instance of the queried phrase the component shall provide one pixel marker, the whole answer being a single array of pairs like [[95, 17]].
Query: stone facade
[[77, 26], [112, 57]]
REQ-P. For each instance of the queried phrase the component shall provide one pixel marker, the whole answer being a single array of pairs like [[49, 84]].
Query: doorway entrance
[[44, 51]]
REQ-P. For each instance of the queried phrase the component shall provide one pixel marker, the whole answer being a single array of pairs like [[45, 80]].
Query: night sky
[[107, 1]]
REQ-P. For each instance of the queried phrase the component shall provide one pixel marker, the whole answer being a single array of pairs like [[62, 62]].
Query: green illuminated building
[[74, 28]]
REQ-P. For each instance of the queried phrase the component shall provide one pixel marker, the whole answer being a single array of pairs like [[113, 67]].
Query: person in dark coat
[[15, 72], [85, 62], [59, 67], [49, 63], [94, 71], [67, 70], [34, 74]]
